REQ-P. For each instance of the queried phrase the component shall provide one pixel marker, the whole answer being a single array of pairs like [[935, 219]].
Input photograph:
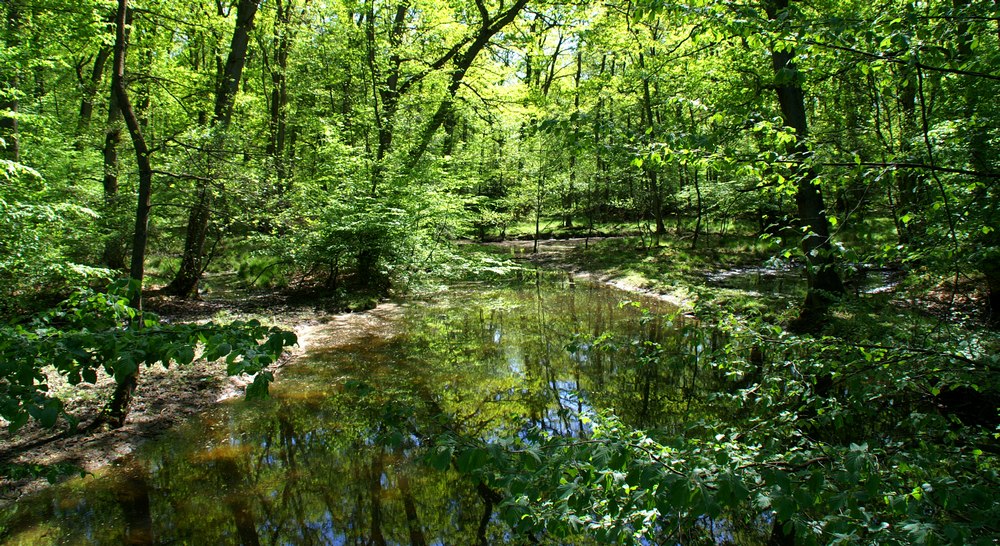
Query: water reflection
[[336, 456]]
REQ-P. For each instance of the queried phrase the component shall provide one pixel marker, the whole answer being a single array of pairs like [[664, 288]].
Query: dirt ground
[[167, 397]]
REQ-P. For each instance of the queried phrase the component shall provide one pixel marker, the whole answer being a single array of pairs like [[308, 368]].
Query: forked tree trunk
[[489, 27]]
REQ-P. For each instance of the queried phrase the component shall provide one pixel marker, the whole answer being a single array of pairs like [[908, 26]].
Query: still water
[[338, 454]]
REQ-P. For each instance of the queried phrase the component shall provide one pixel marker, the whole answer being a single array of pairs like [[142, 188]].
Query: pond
[[337, 455]]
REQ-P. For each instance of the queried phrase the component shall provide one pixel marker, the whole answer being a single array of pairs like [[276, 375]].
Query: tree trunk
[[281, 43], [185, 283], [10, 87], [655, 194], [124, 390], [90, 86], [569, 202], [386, 93], [699, 209], [824, 283], [113, 256]]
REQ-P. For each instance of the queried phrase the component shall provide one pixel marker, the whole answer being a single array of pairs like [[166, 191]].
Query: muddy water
[[337, 455]]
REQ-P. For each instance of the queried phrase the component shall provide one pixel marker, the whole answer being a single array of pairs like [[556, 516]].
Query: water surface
[[337, 455]]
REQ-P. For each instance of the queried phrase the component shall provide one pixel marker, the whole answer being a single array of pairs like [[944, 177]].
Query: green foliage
[[35, 241], [51, 473], [94, 333]]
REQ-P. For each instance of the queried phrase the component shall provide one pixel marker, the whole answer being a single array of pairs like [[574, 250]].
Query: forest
[[163, 157]]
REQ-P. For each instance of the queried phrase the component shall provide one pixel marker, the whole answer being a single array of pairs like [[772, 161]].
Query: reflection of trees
[[133, 498], [335, 456]]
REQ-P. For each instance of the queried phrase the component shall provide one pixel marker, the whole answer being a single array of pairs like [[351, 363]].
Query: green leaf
[[185, 354], [471, 460], [439, 458], [258, 389]]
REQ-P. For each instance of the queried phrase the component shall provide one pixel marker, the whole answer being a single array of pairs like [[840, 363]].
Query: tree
[[127, 382], [185, 283], [821, 272], [10, 82]]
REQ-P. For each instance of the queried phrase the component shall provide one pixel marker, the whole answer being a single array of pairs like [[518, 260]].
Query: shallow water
[[790, 282], [337, 456]]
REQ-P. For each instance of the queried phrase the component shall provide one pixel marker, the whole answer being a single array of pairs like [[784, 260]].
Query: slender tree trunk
[[570, 199], [281, 42], [114, 246], [824, 283], [90, 86], [538, 204], [10, 86], [655, 193], [375, 498], [911, 193], [698, 210], [386, 93], [185, 283], [123, 392]]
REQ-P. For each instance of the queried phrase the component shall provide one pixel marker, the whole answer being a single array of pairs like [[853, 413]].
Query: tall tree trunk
[[386, 91], [699, 209], [114, 246], [125, 388], [185, 283], [569, 200], [910, 188], [655, 193], [281, 42], [10, 86], [824, 283]]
